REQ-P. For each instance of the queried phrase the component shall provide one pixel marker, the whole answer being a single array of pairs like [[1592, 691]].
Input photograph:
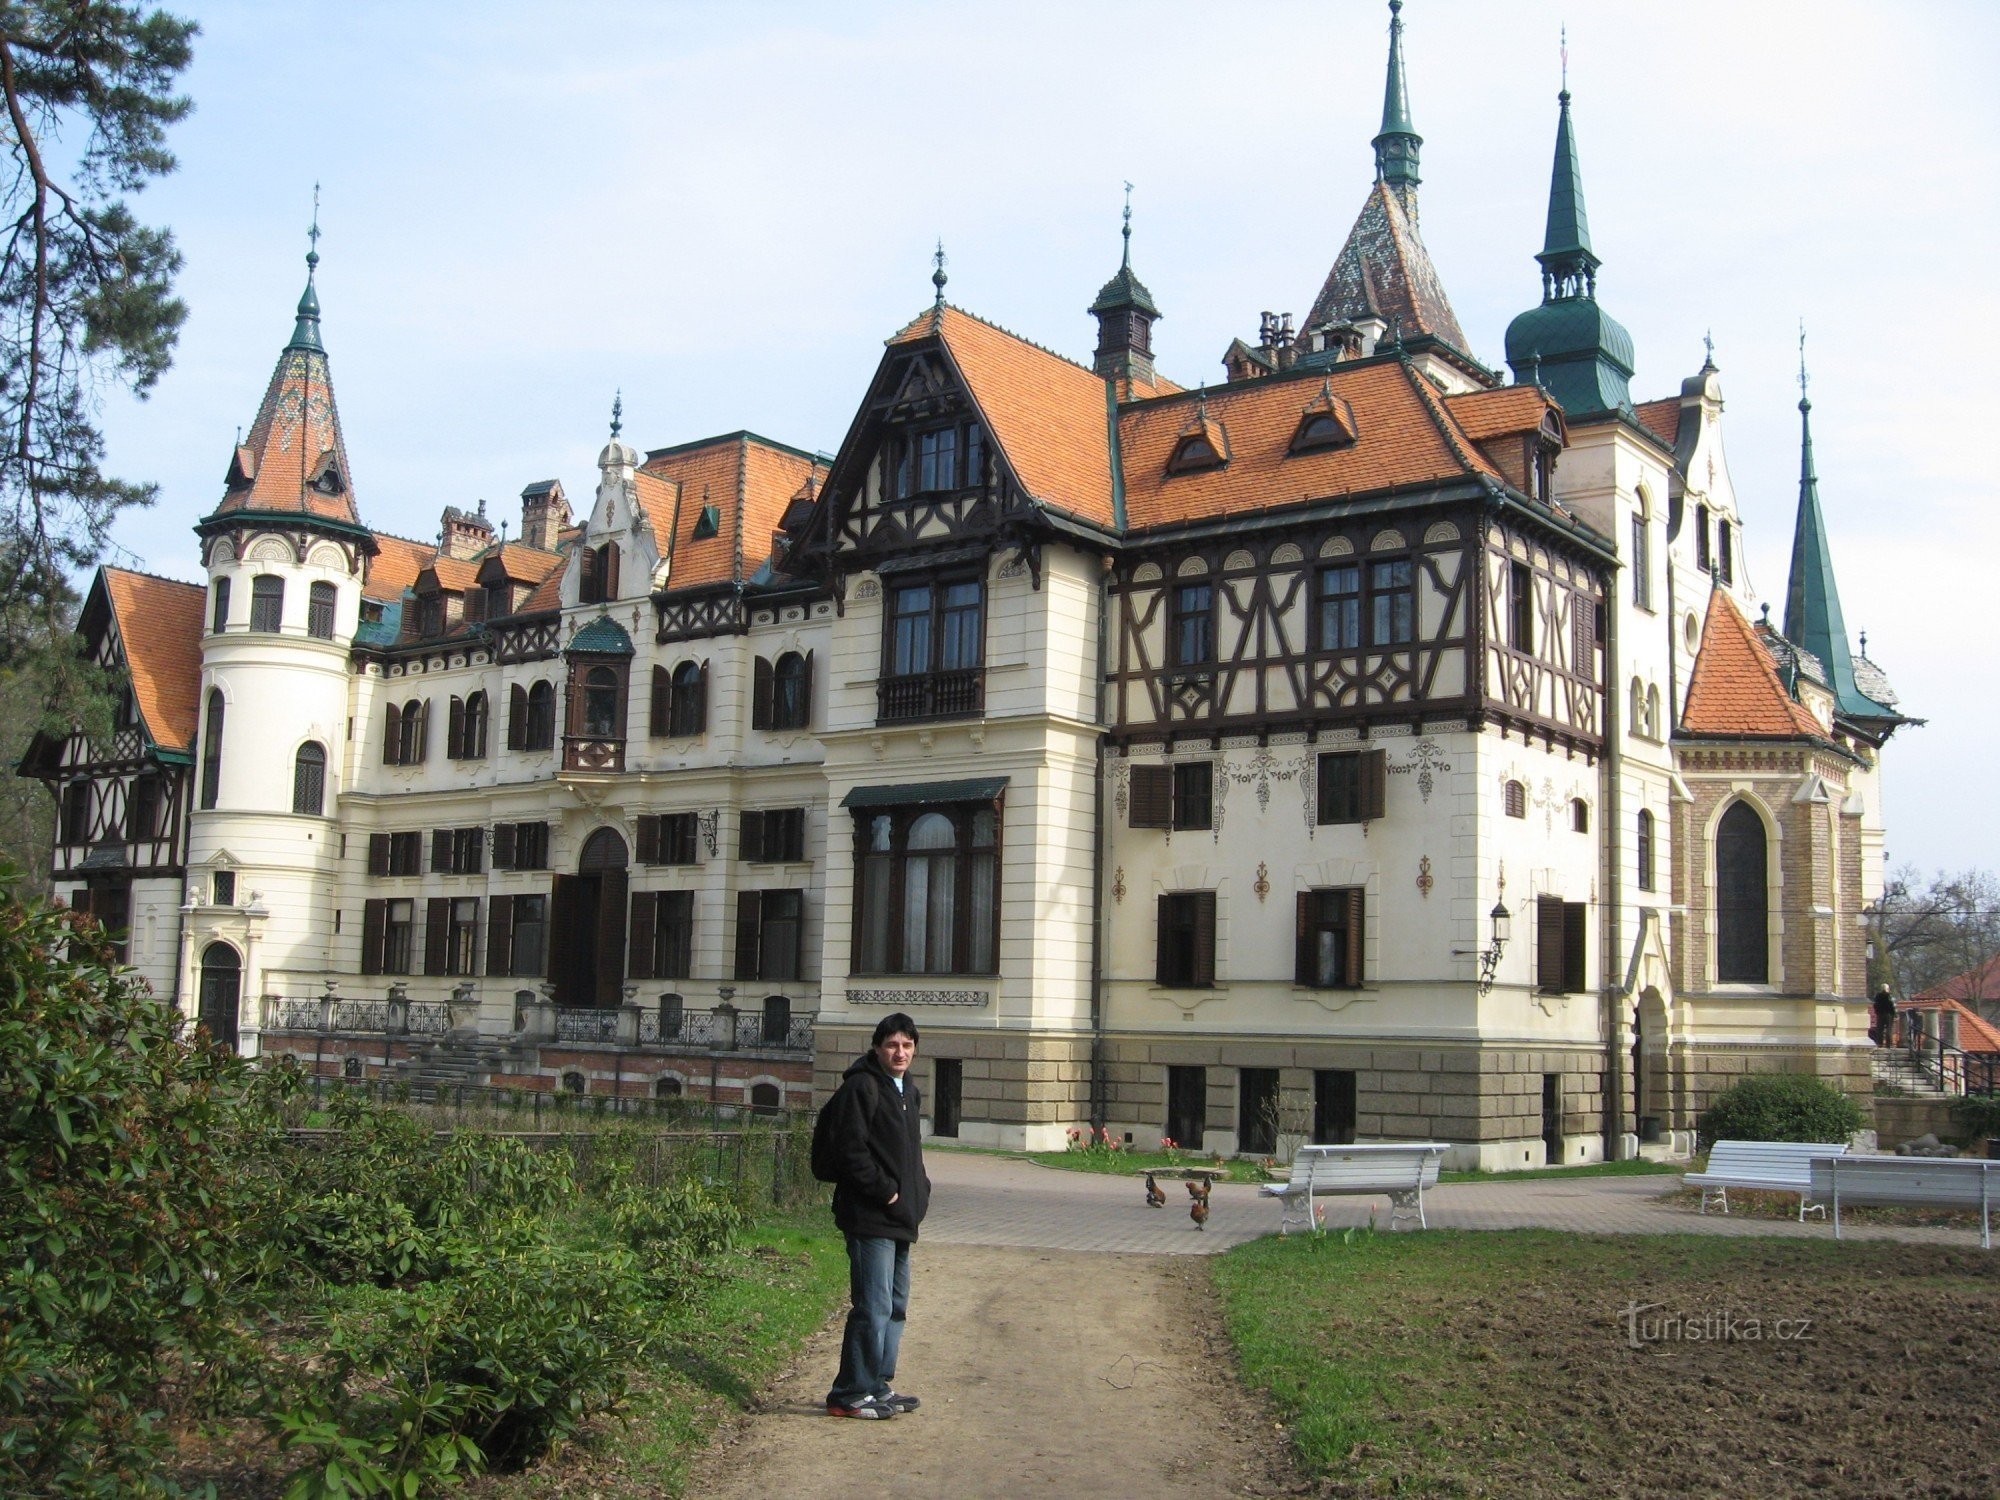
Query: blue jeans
[[878, 1282]]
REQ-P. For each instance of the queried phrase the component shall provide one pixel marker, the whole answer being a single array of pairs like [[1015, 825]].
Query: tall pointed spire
[[1398, 144], [1812, 598], [305, 333], [1125, 313], [1581, 355]]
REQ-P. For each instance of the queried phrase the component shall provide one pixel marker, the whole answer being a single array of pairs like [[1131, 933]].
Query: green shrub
[[675, 1231], [118, 1211], [1977, 1116], [347, 1238], [1780, 1107]]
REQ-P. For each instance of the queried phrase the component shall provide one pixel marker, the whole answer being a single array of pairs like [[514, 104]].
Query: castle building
[[1368, 747]]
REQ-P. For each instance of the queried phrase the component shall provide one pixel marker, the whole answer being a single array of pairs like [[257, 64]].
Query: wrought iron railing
[[1953, 1071], [360, 1015], [586, 1025], [931, 695], [293, 1015], [374, 1017]]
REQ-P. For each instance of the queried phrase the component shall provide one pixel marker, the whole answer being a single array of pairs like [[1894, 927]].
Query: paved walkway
[[997, 1200]]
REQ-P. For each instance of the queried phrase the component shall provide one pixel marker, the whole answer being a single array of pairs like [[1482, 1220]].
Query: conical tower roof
[[294, 460]]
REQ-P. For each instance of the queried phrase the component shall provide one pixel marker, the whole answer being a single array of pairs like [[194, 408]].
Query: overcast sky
[[723, 209]]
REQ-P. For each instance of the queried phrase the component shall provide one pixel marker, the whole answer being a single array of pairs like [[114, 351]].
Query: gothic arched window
[[1644, 850], [211, 749], [309, 779], [1742, 898], [689, 714]]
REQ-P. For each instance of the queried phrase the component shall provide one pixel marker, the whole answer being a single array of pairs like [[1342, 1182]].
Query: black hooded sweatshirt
[[878, 1141]]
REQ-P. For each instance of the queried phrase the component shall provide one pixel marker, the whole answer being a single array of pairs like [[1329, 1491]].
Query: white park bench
[[1911, 1182], [1400, 1170], [1767, 1166]]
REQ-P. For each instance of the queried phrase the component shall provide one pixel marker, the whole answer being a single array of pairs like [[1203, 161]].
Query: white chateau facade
[[1366, 748]]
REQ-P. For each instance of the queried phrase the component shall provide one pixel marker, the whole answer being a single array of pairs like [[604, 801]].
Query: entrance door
[[1335, 1112], [1257, 1110], [947, 1092], [1187, 1106], [587, 935], [221, 993]]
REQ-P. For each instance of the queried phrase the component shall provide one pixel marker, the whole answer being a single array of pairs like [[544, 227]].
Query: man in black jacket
[[879, 1199]]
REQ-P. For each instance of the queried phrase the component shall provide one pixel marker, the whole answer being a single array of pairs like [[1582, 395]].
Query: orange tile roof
[[453, 574], [548, 593], [395, 566], [522, 564], [276, 467], [1975, 1033], [1046, 414], [1981, 983], [1382, 269], [1661, 418], [747, 479], [1734, 691], [159, 624], [1503, 410], [1406, 436]]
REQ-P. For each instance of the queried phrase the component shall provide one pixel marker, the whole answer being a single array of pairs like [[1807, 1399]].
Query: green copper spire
[[305, 333], [1581, 355], [1397, 146], [1812, 599], [1125, 313]]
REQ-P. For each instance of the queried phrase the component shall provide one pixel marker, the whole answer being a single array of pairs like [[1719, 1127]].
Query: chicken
[[1155, 1198], [1198, 1189]]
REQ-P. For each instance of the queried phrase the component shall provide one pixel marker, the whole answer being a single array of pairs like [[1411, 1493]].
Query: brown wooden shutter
[[1326, 773], [1374, 784], [648, 845], [378, 854], [1356, 935], [574, 717], [1576, 926], [437, 932], [611, 938], [588, 590], [701, 703], [645, 916], [1204, 937], [565, 930], [752, 845], [749, 932], [1306, 905], [441, 851], [798, 954], [760, 694], [503, 846], [454, 732], [500, 935], [374, 923], [661, 707], [517, 717], [392, 735], [1163, 941], [1152, 803], [1550, 935], [609, 570], [806, 694], [424, 732]]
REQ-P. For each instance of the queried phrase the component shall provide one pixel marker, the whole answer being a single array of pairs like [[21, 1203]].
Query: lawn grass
[[1496, 1363], [1251, 1169], [724, 1345], [1591, 1169]]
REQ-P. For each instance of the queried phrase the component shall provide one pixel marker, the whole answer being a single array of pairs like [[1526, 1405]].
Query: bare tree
[[1928, 931]]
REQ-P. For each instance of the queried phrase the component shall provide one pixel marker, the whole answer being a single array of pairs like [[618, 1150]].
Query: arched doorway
[[1652, 1089], [221, 993], [587, 937]]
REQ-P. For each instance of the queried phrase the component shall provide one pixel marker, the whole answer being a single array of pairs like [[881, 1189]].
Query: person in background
[[1885, 1018]]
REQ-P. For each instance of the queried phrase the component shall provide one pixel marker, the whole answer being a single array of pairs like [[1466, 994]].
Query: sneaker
[[868, 1409], [900, 1402]]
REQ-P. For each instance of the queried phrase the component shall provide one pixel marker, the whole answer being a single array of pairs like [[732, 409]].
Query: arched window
[[1642, 554], [791, 692], [1579, 815], [661, 705], [572, 1083], [1639, 707], [764, 1098], [413, 733], [600, 703], [1653, 730], [1644, 851], [267, 602], [928, 889], [1725, 553], [220, 619], [221, 993], [309, 779], [1517, 800], [465, 735], [1701, 552], [211, 749], [541, 726], [350, 1067], [777, 1020], [667, 1087], [1742, 898], [319, 612], [690, 701]]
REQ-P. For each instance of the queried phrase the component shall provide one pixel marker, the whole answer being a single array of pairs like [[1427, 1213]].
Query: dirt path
[[1043, 1373]]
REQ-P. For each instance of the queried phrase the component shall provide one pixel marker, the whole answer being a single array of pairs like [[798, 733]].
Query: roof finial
[[1126, 263], [305, 332], [618, 411], [1565, 59], [1805, 404], [1201, 403], [1708, 349], [312, 235], [938, 278]]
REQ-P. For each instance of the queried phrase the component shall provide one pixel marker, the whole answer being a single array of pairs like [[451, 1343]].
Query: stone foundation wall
[[1711, 1070], [1032, 1086]]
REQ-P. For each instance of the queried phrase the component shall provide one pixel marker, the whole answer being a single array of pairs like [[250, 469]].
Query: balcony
[[582, 752], [931, 695]]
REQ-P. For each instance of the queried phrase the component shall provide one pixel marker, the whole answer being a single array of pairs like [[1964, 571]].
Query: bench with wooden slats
[[1910, 1182], [1399, 1170], [1765, 1166]]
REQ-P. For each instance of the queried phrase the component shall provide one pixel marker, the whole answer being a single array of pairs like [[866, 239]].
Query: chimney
[[544, 514], [464, 534]]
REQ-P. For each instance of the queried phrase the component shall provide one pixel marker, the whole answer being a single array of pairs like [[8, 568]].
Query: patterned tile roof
[[395, 566], [159, 622], [294, 460], [1384, 270], [1405, 437], [1735, 692], [1046, 413]]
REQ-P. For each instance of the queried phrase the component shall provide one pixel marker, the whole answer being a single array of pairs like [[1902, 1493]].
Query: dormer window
[[599, 583], [1327, 423], [499, 600], [430, 615], [328, 482], [708, 523], [1195, 453]]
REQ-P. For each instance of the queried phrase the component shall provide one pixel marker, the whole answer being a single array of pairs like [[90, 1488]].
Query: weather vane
[[1565, 56], [1802, 359], [617, 411], [312, 235]]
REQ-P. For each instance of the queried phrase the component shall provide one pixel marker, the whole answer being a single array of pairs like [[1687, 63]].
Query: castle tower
[[1125, 313], [286, 555]]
